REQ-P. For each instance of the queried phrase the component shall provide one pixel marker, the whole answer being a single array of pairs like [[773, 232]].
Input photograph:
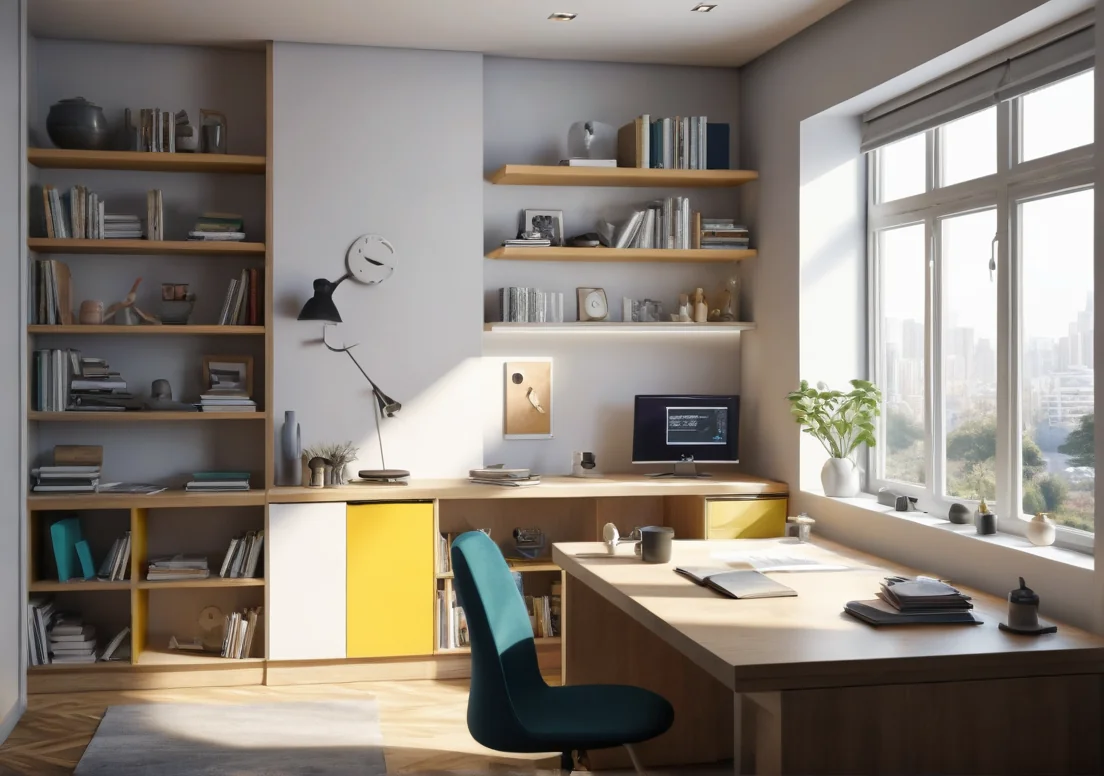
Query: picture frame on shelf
[[228, 373], [548, 222]]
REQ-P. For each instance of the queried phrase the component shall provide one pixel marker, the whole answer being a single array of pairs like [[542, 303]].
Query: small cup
[[655, 543]]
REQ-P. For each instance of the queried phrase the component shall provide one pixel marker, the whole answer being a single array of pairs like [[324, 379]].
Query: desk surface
[[601, 486], [807, 640]]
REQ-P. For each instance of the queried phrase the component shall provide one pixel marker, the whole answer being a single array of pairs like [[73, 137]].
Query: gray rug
[[272, 739]]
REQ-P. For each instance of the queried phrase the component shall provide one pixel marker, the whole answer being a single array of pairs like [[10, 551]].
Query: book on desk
[[744, 583], [920, 601]]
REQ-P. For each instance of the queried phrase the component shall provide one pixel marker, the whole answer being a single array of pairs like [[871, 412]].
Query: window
[[981, 290]]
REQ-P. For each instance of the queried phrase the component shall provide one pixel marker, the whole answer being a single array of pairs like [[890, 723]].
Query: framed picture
[[528, 399], [548, 222], [228, 374]]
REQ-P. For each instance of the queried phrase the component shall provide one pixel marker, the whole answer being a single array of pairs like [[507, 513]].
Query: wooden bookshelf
[[522, 567], [163, 656], [546, 641], [620, 255], [54, 586], [615, 327], [149, 331], [170, 584], [40, 502], [147, 247], [65, 159], [97, 666], [556, 175], [142, 417]]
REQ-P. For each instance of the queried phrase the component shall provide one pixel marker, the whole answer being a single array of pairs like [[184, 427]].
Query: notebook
[[738, 583], [878, 612]]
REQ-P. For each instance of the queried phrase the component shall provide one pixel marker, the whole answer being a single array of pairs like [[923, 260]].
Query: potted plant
[[841, 422]]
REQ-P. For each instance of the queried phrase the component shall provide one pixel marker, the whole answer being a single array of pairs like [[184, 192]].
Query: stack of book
[[451, 622], [116, 565], [588, 162], [226, 401], [71, 641], [237, 643], [40, 617], [915, 601], [242, 304], [178, 567], [507, 478], [679, 143], [665, 224], [221, 227], [218, 482], [540, 615], [156, 130], [530, 305], [123, 227], [97, 388], [51, 283], [242, 556], [155, 216], [720, 234], [528, 242], [66, 479]]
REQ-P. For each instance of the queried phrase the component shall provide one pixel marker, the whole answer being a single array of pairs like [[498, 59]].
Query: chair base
[[573, 761]]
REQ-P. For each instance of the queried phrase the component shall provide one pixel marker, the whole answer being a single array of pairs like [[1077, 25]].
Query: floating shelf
[[541, 175], [147, 247], [522, 567], [146, 330], [619, 255], [617, 327], [63, 159], [39, 502], [170, 584], [53, 586], [140, 417]]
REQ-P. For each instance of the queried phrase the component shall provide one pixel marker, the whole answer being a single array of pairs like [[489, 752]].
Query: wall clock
[[370, 259]]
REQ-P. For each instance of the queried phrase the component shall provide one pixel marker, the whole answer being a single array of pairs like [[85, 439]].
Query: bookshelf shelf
[[164, 656], [149, 331], [618, 327], [522, 567], [168, 499], [547, 641], [178, 584], [53, 586], [620, 255], [142, 417], [147, 247], [97, 666], [556, 175], [64, 159]]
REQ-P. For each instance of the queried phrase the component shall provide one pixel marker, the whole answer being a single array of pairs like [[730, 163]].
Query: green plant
[[841, 421], [1080, 445]]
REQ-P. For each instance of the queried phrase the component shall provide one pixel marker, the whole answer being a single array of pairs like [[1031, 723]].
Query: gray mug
[[655, 543]]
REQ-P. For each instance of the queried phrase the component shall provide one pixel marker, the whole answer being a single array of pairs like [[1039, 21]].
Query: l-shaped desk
[[795, 686]]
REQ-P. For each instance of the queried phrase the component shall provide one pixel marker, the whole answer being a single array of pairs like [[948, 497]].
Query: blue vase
[[291, 451]]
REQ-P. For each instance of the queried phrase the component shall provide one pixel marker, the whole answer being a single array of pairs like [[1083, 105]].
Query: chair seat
[[594, 716]]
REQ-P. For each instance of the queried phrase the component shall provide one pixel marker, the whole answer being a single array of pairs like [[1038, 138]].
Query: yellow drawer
[[389, 580], [756, 518]]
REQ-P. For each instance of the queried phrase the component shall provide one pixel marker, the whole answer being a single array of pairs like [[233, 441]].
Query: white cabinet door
[[306, 581]]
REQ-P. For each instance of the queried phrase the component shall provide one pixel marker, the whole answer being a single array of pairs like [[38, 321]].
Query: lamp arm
[[340, 280]]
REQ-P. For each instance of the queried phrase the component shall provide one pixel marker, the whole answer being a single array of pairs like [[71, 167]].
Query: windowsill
[[1016, 544]]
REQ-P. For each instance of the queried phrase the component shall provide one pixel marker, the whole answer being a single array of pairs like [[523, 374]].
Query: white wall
[[528, 107], [386, 141], [865, 53], [12, 480]]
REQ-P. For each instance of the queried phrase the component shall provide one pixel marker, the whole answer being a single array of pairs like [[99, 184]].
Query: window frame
[[1013, 183]]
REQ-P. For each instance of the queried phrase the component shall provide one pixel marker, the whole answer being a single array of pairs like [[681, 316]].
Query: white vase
[[840, 478], [1041, 531]]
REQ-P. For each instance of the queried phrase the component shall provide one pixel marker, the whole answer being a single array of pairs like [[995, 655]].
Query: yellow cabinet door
[[758, 518], [389, 580]]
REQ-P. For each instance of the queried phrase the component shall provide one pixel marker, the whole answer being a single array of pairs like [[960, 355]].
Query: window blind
[[1002, 76]]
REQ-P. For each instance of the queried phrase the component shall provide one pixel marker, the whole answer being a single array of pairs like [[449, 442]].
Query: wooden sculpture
[[128, 304]]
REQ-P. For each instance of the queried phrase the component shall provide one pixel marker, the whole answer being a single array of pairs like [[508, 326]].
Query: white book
[[228, 557], [588, 163], [255, 555], [88, 658], [72, 646], [86, 632], [646, 140], [628, 231], [114, 644]]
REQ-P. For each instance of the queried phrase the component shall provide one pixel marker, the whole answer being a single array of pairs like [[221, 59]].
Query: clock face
[[369, 259], [596, 304]]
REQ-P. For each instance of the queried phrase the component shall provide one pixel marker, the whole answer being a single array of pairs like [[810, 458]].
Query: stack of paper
[[508, 478], [178, 567], [915, 601]]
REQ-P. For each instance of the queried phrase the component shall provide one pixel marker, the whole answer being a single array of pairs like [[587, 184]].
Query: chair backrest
[[504, 655]]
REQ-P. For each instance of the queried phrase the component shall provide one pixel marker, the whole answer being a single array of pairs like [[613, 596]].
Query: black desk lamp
[[365, 261]]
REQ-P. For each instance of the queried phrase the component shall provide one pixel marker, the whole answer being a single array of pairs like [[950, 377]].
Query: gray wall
[[528, 107], [867, 52], [12, 238], [385, 141]]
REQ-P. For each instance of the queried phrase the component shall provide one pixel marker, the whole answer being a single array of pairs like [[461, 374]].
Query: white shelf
[[617, 327]]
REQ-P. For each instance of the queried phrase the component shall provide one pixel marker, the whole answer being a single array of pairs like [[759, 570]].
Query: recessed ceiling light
[[562, 17], [703, 7]]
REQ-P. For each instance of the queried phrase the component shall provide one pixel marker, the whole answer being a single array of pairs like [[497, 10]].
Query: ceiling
[[660, 31]]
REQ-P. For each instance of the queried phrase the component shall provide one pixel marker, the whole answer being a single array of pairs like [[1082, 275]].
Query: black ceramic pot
[[77, 124]]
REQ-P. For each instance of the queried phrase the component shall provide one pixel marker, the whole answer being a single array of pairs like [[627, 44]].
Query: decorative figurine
[[126, 312], [591, 140], [699, 309], [959, 514], [685, 311], [91, 312], [187, 140], [730, 300]]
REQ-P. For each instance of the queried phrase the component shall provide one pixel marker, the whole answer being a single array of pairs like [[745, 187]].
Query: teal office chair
[[511, 708]]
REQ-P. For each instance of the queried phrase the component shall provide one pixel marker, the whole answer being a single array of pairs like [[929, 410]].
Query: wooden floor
[[423, 723]]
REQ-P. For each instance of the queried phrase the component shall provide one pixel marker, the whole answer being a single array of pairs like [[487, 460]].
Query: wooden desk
[[794, 685]]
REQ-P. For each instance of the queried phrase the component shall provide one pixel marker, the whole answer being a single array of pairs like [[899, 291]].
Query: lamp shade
[[321, 307]]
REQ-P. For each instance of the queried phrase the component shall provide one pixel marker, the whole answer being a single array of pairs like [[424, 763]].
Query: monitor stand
[[687, 469]]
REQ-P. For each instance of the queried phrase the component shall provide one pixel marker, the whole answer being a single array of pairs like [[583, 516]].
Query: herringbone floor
[[423, 723]]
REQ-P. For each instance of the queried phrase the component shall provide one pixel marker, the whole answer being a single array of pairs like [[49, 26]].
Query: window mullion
[[933, 353], [1009, 421]]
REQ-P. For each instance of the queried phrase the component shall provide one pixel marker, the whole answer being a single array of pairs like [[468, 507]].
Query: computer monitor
[[686, 430]]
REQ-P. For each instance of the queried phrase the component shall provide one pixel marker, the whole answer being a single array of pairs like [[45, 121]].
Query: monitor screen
[[669, 429]]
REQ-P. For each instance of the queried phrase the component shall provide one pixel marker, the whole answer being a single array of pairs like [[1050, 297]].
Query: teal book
[[64, 535], [84, 555]]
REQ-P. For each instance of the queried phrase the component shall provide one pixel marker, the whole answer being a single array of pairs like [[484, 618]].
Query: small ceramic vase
[[91, 312], [840, 478], [1041, 530]]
